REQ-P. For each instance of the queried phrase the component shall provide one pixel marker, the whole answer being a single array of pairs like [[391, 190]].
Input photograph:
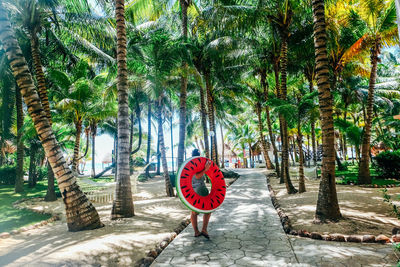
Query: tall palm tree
[[81, 214], [184, 4], [327, 204], [123, 202], [281, 17], [380, 18]]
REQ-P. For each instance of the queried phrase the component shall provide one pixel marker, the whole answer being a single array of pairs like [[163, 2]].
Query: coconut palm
[[80, 213], [123, 203], [327, 204], [380, 18]]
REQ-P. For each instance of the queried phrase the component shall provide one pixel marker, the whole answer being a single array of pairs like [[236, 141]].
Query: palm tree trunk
[[75, 159], [132, 119], [94, 132], [19, 179], [250, 154], [203, 113], [32, 179], [123, 202], [184, 4], [278, 95], [268, 162], [42, 89], [168, 186], [81, 214], [272, 138], [364, 175], [314, 146], [41, 82], [327, 204], [158, 157], [148, 138], [138, 116], [302, 185], [211, 119], [285, 151], [223, 146], [269, 124], [51, 192]]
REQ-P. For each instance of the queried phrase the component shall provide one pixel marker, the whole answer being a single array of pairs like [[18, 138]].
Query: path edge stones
[[336, 237]]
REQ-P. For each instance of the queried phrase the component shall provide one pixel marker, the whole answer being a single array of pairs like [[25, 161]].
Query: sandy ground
[[119, 243], [363, 209]]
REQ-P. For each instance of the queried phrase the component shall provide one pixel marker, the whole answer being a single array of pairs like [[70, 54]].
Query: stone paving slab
[[246, 231]]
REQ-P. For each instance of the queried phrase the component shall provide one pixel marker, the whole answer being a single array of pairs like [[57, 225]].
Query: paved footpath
[[246, 231]]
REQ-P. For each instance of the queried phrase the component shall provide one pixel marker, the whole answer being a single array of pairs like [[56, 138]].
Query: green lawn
[[11, 218], [350, 175]]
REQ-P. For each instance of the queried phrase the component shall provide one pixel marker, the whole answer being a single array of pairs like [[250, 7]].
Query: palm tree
[[281, 18], [123, 203], [380, 17], [184, 4], [81, 214], [327, 204]]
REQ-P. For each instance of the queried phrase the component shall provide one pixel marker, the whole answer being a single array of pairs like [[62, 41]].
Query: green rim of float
[[191, 199]]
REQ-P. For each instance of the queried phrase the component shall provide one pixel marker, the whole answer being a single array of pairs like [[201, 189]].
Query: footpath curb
[[287, 226]]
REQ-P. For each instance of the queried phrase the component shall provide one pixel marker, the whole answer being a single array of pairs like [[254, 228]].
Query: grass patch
[[106, 179], [350, 176], [11, 218]]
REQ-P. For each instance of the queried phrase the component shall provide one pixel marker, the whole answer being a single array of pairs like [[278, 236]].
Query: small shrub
[[388, 164], [8, 174]]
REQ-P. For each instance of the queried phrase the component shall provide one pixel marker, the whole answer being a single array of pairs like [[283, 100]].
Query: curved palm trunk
[[123, 202], [42, 89], [302, 185], [203, 113], [41, 82], [19, 179], [81, 214], [148, 138], [75, 159], [364, 175], [168, 186], [268, 162], [211, 120], [285, 141], [327, 204], [183, 93]]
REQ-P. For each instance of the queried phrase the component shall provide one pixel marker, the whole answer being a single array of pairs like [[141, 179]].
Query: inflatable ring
[[185, 190]]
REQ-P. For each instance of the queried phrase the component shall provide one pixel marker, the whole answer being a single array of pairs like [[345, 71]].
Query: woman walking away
[[200, 188]]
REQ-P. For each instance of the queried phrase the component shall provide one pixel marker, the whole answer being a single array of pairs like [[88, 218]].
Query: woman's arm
[[206, 168]]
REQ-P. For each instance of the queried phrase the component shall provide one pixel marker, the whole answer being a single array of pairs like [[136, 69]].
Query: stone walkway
[[246, 231]]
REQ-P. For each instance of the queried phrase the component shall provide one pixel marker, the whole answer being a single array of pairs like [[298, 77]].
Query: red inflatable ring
[[185, 190]]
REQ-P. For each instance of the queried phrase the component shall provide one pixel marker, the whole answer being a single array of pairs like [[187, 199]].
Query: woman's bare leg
[[206, 219], [193, 219]]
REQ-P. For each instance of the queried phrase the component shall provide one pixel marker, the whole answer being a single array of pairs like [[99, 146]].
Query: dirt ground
[[363, 209], [119, 243]]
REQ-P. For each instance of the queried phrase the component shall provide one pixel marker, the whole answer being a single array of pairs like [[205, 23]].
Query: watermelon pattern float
[[185, 190]]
